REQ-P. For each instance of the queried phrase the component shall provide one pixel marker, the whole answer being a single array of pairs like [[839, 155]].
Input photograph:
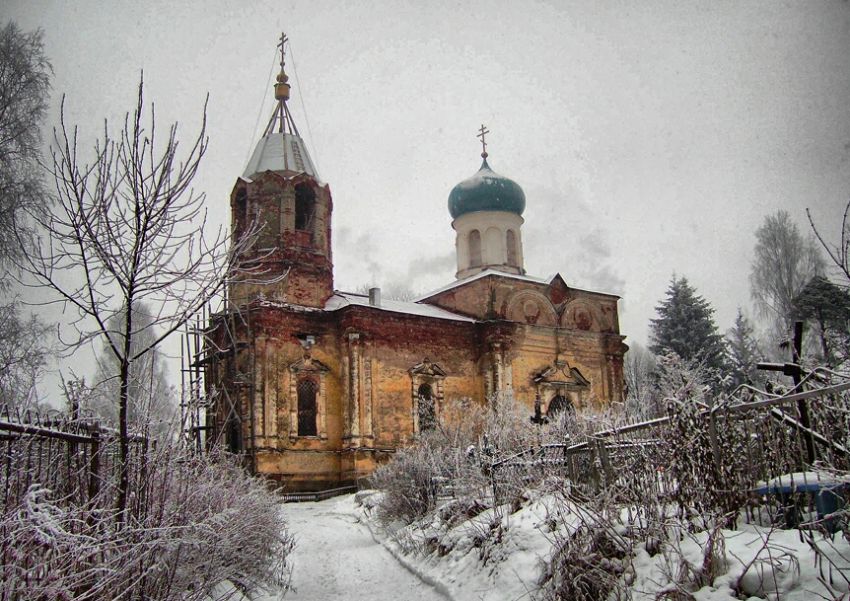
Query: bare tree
[[24, 348], [638, 369], [24, 92], [838, 253], [784, 263], [151, 407], [131, 230]]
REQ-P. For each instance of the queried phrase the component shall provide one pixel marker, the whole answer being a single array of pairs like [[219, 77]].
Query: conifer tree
[[744, 353], [685, 325]]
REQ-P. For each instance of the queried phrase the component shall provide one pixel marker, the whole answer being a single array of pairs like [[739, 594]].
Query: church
[[315, 386]]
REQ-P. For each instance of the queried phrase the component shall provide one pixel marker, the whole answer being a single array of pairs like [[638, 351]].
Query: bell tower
[[281, 197]]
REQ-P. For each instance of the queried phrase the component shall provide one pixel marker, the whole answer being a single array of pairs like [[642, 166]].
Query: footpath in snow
[[336, 558]]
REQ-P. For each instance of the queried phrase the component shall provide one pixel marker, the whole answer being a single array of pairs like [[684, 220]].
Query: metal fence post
[[715, 443], [605, 461], [94, 463]]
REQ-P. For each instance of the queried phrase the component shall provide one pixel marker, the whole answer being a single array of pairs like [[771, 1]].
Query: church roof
[[478, 276], [281, 152], [345, 299], [501, 274], [486, 191]]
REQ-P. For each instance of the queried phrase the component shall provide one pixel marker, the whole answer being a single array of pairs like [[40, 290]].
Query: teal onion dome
[[486, 191]]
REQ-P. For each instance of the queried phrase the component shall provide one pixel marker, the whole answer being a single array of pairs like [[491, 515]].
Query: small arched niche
[[475, 248], [510, 243]]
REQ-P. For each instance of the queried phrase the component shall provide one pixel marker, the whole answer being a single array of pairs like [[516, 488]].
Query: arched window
[[510, 240], [559, 404], [493, 248], [475, 248], [307, 409], [427, 414], [305, 207]]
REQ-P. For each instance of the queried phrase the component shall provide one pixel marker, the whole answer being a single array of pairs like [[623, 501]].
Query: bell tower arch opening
[[305, 207]]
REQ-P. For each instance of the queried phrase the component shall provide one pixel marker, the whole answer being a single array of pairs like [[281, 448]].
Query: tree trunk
[[123, 402]]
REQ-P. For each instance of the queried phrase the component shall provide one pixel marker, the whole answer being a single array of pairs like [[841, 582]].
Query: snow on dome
[[486, 191]]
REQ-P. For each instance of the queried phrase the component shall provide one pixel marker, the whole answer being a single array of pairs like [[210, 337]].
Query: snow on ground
[[495, 556], [336, 558], [498, 555], [342, 553]]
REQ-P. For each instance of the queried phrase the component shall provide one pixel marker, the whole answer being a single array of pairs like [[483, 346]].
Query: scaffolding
[[217, 363]]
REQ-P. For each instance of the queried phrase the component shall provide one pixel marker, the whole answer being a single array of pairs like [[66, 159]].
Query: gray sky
[[650, 137]]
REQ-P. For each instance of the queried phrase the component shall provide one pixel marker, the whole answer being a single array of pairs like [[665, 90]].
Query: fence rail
[[726, 449], [75, 459]]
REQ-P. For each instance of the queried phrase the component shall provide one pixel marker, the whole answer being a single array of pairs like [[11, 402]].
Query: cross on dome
[[483, 131]]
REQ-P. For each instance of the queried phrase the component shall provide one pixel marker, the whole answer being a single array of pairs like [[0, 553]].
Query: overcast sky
[[650, 137]]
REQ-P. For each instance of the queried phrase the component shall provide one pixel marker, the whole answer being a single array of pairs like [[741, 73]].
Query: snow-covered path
[[336, 558]]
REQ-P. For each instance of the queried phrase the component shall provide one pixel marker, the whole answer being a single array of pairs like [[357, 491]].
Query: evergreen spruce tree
[[744, 353], [686, 327]]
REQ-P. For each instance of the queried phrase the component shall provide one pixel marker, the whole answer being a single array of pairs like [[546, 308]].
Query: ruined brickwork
[[302, 250]]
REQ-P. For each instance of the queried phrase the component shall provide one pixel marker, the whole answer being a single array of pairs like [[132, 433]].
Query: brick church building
[[316, 386]]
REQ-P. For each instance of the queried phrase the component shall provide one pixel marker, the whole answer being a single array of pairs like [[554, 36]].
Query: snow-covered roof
[[280, 151], [502, 274], [344, 299], [478, 276]]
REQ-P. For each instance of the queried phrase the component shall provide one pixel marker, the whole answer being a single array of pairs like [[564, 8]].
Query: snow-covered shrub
[[193, 522], [685, 576], [452, 460], [443, 463], [591, 559], [409, 482]]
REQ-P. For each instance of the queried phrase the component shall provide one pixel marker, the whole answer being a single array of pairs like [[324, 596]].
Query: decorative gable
[[427, 369], [561, 375], [558, 291]]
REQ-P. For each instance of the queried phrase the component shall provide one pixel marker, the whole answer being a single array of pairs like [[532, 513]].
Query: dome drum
[[488, 240]]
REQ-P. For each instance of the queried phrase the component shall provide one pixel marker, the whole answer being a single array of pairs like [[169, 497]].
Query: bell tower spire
[[281, 194], [281, 120]]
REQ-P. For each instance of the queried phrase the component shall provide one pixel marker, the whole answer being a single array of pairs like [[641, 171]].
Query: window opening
[[241, 214], [233, 444], [427, 414], [559, 404], [305, 207], [307, 409]]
